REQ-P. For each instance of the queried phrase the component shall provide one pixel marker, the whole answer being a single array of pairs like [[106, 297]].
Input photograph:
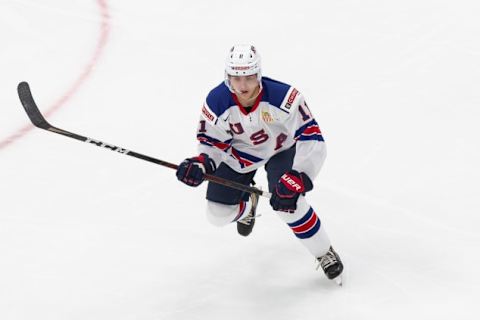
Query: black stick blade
[[30, 106]]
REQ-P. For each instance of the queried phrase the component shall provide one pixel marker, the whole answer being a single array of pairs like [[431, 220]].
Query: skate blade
[[338, 280]]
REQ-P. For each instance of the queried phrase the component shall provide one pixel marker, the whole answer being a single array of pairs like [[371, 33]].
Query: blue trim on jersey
[[305, 126], [206, 143], [243, 158], [308, 138], [202, 135], [220, 99], [274, 91], [248, 156], [212, 142], [300, 134]]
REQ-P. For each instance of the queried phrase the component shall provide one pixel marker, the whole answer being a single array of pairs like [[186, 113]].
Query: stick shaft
[[39, 121]]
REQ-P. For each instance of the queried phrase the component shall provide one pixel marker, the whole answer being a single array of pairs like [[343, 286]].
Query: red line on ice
[[87, 70]]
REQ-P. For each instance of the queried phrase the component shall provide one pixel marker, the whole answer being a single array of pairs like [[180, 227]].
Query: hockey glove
[[287, 190], [192, 170]]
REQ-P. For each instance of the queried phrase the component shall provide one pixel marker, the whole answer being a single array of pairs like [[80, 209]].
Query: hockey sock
[[307, 227]]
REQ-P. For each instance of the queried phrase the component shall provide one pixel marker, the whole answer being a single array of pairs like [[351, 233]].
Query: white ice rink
[[89, 234]]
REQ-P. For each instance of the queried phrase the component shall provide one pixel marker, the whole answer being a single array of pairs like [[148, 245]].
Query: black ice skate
[[331, 265], [245, 226]]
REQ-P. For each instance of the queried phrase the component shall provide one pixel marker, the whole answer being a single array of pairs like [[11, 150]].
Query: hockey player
[[249, 121]]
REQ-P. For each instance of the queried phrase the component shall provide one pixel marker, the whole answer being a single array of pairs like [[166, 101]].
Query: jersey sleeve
[[213, 135], [310, 146]]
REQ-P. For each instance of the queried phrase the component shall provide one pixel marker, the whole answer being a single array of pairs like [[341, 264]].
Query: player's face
[[245, 86]]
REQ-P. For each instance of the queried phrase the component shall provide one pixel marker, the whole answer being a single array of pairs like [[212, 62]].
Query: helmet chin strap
[[259, 90]]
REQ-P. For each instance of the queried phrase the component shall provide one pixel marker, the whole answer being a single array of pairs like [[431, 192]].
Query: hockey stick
[[39, 121]]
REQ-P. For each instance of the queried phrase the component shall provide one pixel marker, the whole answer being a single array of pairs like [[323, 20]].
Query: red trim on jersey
[[255, 105], [243, 161], [312, 130], [221, 145]]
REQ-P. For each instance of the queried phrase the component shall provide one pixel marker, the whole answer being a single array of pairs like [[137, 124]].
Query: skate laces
[[326, 260], [249, 218]]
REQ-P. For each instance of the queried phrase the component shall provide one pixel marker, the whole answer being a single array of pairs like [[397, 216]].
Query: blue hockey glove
[[287, 190], [192, 170]]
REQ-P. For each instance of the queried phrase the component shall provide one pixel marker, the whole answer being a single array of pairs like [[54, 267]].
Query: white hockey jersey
[[279, 119]]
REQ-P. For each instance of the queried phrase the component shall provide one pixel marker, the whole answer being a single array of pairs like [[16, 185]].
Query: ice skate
[[245, 226], [331, 265]]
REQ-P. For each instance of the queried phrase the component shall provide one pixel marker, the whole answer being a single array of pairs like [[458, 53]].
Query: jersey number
[[305, 115], [202, 128]]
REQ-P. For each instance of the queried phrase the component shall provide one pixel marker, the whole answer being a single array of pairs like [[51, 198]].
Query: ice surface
[[89, 234]]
